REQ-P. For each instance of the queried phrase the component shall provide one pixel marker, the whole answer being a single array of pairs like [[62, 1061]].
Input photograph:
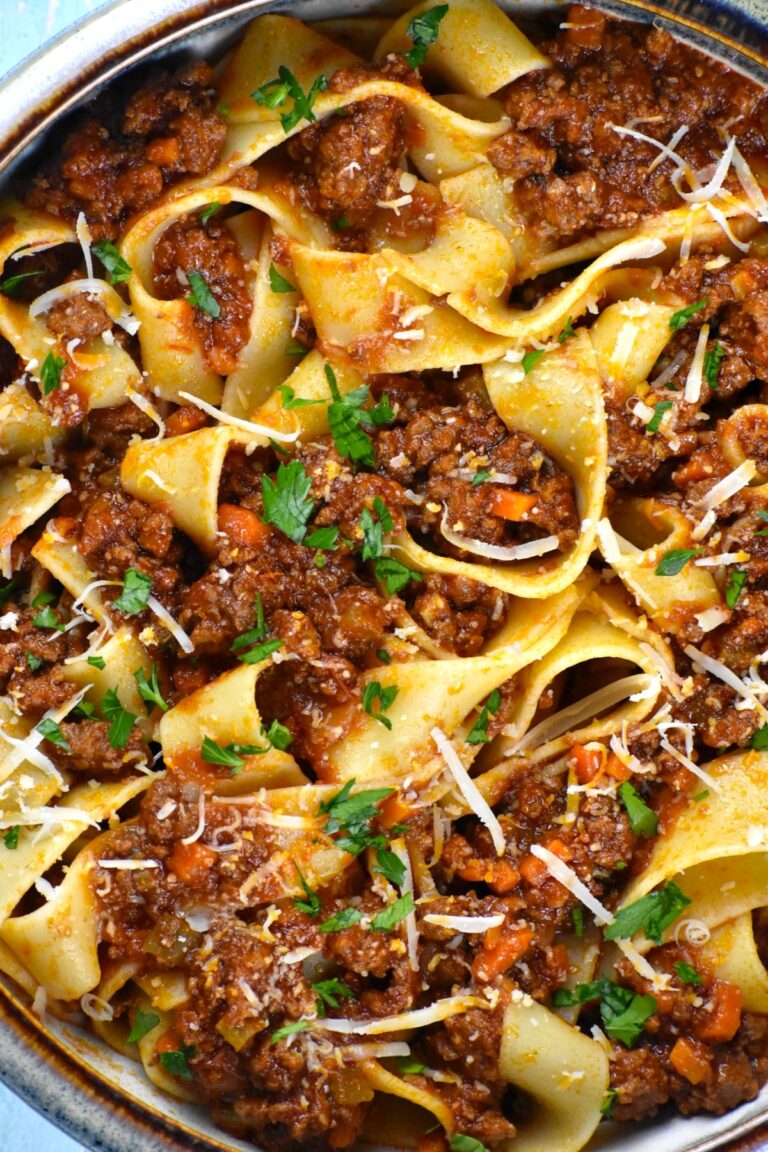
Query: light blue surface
[[26, 24]]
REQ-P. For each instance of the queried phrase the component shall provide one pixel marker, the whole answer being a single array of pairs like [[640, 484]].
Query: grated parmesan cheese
[[469, 790], [695, 378]]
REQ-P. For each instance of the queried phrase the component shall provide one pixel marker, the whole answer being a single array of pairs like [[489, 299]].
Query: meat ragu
[[383, 531]]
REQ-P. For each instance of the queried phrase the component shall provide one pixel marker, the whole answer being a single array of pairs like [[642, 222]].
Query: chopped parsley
[[712, 364], [377, 700], [122, 721], [352, 815], [346, 418], [209, 211], [651, 914], [759, 739], [275, 93], [286, 500], [461, 1143], [85, 710], [223, 110], [261, 651], [143, 1023], [622, 1011], [679, 319], [609, 1103], [407, 1066], [177, 1061], [11, 284], [701, 796], [384, 656], [135, 594], [423, 31], [50, 373], [33, 662], [278, 735], [97, 662], [119, 270], [279, 283], [735, 587], [687, 973], [373, 530], [344, 918], [294, 348], [480, 477], [642, 820], [577, 916], [149, 690], [567, 332], [659, 409], [341, 223], [330, 993], [42, 599], [675, 560], [324, 539], [390, 866], [48, 619], [51, 731], [479, 731], [11, 838], [201, 296], [289, 1030], [290, 400], [312, 903], [229, 756], [394, 575], [531, 359], [6, 590], [391, 916]]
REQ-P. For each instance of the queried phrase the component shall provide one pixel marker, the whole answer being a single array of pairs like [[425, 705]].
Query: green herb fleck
[[623, 1013], [201, 296], [323, 538], [423, 31], [384, 656], [651, 914], [48, 619], [391, 916], [330, 993], [679, 319], [33, 662], [51, 731], [290, 400], [11, 284], [97, 662], [687, 974], [279, 283], [642, 820], [759, 739], [345, 918], [122, 721], [675, 560], [286, 500], [312, 903], [374, 692], [143, 1023], [394, 575], [531, 359], [135, 595], [289, 1030], [286, 86], [712, 363], [118, 269], [577, 916], [479, 731], [480, 477], [341, 223], [50, 373], [735, 587], [407, 1066], [609, 1103], [567, 332], [209, 211], [177, 1062], [389, 865], [229, 756], [659, 408], [11, 838], [373, 530], [461, 1143], [149, 690]]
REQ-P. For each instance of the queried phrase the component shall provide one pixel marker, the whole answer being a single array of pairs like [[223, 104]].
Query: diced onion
[[236, 422], [469, 790], [568, 878]]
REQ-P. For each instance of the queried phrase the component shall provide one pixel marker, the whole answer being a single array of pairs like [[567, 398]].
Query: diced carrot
[[511, 505], [170, 1041], [586, 762], [475, 871], [724, 1020], [188, 418], [164, 151], [585, 27], [65, 525], [191, 862], [615, 768], [491, 962], [393, 811], [242, 526], [534, 871], [688, 1058], [504, 877]]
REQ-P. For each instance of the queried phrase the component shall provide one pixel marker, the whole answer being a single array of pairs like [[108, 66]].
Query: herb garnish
[[149, 690], [373, 530], [423, 31], [344, 918], [679, 319], [228, 756], [143, 1023], [391, 916], [373, 693], [687, 974], [276, 92], [50, 373], [290, 400], [735, 587], [286, 503], [712, 364], [122, 721], [659, 409], [623, 1012], [642, 820], [289, 1030], [479, 731], [176, 1062], [11, 838], [531, 359], [118, 269], [135, 594], [651, 914], [675, 560], [51, 731], [330, 993], [201, 296], [312, 903], [279, 283]]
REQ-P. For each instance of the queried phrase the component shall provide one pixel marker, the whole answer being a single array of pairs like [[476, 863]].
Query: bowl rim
[[39, 90]]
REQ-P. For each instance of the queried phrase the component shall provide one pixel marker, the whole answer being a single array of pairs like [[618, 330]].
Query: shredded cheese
[[128, 865], [172, 625], [411, 929], [418, 1018], [568, 878], [720, 218], [144, 405], [200, 821], [243, 425], [695, 378], [708, 191], [722, 672], [83, 233], [496, 551], [634, 687], [690, 765], [469, 790], [711, 618]]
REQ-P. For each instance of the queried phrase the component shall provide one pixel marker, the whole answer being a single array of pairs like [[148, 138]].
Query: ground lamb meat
[[118, 533], [89, 750], [169, 129]]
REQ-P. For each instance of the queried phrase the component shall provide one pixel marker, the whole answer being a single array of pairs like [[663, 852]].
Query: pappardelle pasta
[[384, 546]]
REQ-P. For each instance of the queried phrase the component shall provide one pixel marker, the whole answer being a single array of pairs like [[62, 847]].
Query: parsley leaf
[[391, 916], [341, 223], [735, 587], [345, 418], [11, 838], [290, 400], [374, 692], [261, 651], [480, 477], [330, 993], [97, 662], [659, 409], [143, 1023], [567, 331], [373, 530], [651, 914], [384, 656], [642, 820], [228, 756], [623, 1012], [85, 710], [286, 86], [461, 1143], [51, 731], [135, 594], [209, 211], [712, 363], [33, 662], [423, 31], [701, 796], [344, 918], [119, 269], [42, 599], [479, 732], [286, 503], [122, 721], [149, 690], [201, 296], [50, 373], [323, 538], [352, 815], [609, 1103], [10, 285], [289, 1030], [531, 359], [679, 319], [687, 974], [394, 575], [278, 736], [312, 903], [407, 1066], [759, 739], [5, 592], [577, 916], [389, 865], [48, 619], [279, 283], [176, 1062], [674, 561]]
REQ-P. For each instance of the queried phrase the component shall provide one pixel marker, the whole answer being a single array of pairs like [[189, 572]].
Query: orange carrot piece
[[586, 762], [724, 1021], [492, 961], [511, 505], [688, 1059], [242, 526], [191, 862]]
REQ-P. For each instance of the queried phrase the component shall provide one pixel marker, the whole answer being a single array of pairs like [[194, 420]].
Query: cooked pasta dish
[[384, 598]]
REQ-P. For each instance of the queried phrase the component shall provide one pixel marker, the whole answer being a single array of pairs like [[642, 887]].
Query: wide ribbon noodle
[[409, 884]]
